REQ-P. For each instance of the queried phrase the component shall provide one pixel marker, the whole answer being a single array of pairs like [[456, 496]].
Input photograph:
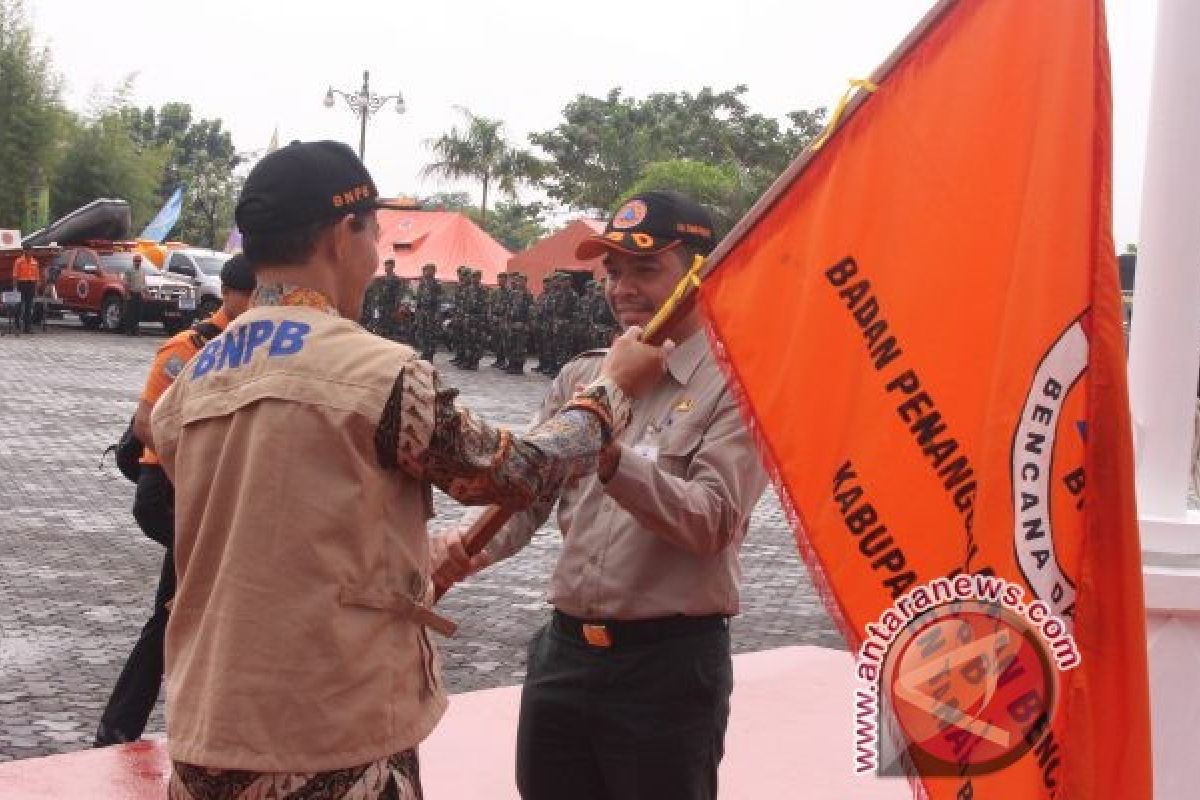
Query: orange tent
[[446, 238], [556, 251]]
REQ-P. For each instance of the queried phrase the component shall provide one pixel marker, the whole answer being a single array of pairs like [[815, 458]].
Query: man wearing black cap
[[303, 450], [627, 689], [133, 698]]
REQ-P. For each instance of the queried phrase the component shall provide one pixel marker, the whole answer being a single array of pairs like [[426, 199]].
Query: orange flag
[[923, 321]]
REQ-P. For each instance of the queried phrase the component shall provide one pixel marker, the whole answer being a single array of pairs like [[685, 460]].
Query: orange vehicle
[[90, 281]]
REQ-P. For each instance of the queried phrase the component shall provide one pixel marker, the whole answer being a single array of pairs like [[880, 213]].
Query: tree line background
[[710, 145]]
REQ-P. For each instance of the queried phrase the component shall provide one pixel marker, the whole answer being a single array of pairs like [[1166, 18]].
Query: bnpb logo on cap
[[352, 196], [629, 215]]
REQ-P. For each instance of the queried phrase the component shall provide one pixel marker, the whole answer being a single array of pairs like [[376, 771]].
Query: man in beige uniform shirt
[[302, 449], [627, 690]]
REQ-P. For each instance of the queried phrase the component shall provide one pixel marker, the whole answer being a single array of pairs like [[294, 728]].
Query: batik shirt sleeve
[[424, 432]]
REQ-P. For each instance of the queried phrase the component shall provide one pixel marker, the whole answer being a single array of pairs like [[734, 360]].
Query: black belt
[[624, 632]]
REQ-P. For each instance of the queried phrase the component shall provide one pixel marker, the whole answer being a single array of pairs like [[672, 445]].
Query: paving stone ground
[[77, 577]]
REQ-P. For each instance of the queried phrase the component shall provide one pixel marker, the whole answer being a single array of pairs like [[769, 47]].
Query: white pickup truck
[[202, 268]]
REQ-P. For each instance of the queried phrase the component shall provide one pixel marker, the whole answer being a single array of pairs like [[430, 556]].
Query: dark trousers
[[641, 722], [132, 700], [133, 313], [27, 290]]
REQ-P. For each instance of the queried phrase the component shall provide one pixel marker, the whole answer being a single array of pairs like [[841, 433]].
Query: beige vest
[[292, 643]]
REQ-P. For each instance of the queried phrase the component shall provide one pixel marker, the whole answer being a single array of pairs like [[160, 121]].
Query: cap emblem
[[629, 215]]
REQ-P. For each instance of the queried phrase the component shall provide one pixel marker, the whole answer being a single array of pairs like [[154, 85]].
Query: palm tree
[[479, 151]]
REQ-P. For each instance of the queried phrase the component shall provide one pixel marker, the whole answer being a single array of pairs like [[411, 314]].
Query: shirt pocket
[[677, 446]]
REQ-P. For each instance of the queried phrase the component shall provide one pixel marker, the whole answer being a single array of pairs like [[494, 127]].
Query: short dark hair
[[291, 247]]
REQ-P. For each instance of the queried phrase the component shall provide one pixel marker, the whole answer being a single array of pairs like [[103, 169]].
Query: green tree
[[514, 225], [104, 159], [604, 145], [722, 189], [480, 152], [210, 196], [202, 158], [31, 113], [447, 201]]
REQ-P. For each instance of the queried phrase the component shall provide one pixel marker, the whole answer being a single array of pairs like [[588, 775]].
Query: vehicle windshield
[[211, 265], [123, 262]]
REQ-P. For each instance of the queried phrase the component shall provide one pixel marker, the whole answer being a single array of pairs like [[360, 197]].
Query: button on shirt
[[662, 536]]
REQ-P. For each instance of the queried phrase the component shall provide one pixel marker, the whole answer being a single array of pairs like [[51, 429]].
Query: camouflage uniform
[[382, 306], [499, 301], [540, 326], [458, 317], [517, 323], [474, 321], [429, 301], [562, 322], [581, 329], [405, 318], [603, 324]]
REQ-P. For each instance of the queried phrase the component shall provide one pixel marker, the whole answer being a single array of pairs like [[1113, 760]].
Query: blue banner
[[166, 218]]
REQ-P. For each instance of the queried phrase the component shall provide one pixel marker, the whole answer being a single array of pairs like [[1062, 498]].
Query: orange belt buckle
[[596, 635]]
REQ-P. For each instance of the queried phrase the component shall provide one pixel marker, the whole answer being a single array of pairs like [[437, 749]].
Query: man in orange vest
[[133, 698], [26, 275]]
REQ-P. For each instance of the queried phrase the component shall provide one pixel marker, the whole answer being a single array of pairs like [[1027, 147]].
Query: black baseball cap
[[303, 183], [653, 222], [237, 274]]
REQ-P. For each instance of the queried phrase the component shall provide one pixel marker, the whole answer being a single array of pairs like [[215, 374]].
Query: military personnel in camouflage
[[499, 300], [429, 301], [458, 317], [581, 327], [474, 320], [562, 321], [540, 326], [382, 306], [517, 324], [603, 324], [404, 314]]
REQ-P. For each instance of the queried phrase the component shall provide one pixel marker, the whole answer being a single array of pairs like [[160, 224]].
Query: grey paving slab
[[77, 577]]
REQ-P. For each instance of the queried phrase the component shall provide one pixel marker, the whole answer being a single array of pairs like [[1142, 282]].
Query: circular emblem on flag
[[971, 686], [629, 215], [1048, 480]]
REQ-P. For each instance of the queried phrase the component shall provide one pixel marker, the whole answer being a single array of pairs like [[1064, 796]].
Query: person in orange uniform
[[26, 276], [133, 698]]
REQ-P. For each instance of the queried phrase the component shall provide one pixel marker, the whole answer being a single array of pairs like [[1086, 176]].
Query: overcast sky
[[258, 64]]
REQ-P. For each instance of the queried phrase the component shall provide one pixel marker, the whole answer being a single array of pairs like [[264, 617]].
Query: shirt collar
[[279, 294], [686, 357]]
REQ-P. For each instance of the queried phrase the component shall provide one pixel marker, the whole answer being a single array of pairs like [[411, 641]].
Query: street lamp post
[[364, 104]]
